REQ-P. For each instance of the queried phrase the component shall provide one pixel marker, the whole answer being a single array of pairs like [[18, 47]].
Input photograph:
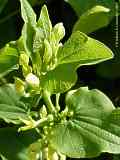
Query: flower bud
[[24, 59], [59, 31], [43, 112], [50, 117], [32, 80], [19, 85]]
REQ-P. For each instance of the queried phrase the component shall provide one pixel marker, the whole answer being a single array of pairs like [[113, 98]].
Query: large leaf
[[83, 49], [16, 146], [88, 21], [92, 129], [8, 60], [60, 79], [11, 108]]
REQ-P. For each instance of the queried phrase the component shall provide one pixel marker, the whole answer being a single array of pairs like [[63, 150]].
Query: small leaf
[[8, 59], [38, 41], [83, 49], [28, 33], [59, 32], [11, 108], [88, 21], [44, 22], [38, 49], [92, 129], [27, 12], [60, 79], [47, 52], [29, 27]]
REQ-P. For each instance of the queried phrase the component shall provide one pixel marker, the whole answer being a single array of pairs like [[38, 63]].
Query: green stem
[[57, 102], [44, 121], [47, 99]]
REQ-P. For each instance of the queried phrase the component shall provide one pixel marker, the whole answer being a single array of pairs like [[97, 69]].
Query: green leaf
[[27, 12], [29, 27], [28, 33], [11, 108], [44, 22], [43, 31], [88, 21], [83, 49], [16, 146], [8, 59], [60, 79], [59, 32], [47, 52], [92, 129]]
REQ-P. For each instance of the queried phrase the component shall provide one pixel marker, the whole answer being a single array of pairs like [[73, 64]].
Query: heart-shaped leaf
[[83, 49], [92, 129]]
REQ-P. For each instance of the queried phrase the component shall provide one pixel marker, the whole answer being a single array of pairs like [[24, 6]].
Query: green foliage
[[88, 21], [83, 49], [86, 127], [90, 11], [60, 79], [8, 59], [11, 108], [91, 126], [49, 54]]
